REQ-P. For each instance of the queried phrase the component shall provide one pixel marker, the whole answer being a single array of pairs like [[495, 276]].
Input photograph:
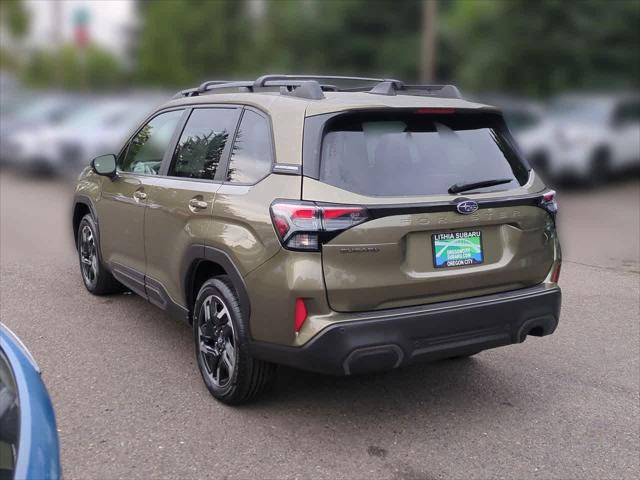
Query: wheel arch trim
[[196, 254], [80, 199]]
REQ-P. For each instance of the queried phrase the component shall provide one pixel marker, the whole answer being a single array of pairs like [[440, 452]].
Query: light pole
[[429, 39]]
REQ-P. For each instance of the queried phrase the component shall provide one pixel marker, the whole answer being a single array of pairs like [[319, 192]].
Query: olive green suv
[[335, 224]]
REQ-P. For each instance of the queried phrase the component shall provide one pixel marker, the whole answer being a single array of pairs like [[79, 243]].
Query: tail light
[[548, 202], [306, 225]]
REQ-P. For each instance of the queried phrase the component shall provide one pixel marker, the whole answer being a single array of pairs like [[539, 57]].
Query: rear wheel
[[97, 279], [230, 373]]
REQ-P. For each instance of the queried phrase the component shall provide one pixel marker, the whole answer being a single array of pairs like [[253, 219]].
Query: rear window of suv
[[402, 154]]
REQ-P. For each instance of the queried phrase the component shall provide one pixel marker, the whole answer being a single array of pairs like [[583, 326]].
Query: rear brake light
[[549, 202], [304, 225], [435, 111]]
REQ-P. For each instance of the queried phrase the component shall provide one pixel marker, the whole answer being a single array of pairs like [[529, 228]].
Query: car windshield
[[583, 111], [390, 154]]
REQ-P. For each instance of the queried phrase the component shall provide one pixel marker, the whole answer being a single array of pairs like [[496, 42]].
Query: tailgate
[[411, 170], [390, 262]]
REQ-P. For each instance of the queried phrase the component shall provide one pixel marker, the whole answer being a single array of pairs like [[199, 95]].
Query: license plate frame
[[462, 248]]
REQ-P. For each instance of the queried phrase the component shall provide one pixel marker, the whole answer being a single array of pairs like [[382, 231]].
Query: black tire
[[96, 278], [223, 341], [600, 167]]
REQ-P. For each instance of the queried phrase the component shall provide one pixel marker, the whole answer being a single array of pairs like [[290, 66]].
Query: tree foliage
[[14, 16], [14, 19], [186, 41], [538, 48], [521, 46], [510, 45], [189, 41], [71, 68]]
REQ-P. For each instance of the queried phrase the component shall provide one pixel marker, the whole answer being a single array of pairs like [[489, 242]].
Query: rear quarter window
[[251, 156], [404, 154]]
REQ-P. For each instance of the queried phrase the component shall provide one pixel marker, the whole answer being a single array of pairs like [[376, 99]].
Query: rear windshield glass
[[387, 154]]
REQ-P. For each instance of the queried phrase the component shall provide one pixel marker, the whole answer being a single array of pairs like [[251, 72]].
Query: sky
[[108, 22]]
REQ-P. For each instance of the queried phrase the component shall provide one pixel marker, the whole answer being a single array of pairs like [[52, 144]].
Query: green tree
[[91, 68], [14, 16], [185, 42], [542, 47], [15, 19], [343, 36], [524, 46]]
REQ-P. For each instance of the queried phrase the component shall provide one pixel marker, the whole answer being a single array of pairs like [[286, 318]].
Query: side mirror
[[104, 165]]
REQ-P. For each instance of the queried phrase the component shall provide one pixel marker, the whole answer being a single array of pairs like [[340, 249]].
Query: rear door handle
[[139, 195], [198, 204]]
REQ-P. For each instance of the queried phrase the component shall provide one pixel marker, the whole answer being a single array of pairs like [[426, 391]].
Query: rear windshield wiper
[[463, 187]]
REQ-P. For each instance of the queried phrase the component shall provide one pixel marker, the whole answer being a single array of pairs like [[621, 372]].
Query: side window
[[144, 153], [202, 142], [251, 155]]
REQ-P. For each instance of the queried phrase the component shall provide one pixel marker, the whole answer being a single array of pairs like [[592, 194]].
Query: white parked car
[[586, 138], [92, 130], [31, 111]]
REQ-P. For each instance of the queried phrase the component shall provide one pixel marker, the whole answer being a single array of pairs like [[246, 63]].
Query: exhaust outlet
[[537, 327]]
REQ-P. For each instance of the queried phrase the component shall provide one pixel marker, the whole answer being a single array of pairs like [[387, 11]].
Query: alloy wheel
[[88, 256], [216, 341]]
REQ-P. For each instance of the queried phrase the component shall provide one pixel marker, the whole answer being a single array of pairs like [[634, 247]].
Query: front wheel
[[229, 371], [97, 279]]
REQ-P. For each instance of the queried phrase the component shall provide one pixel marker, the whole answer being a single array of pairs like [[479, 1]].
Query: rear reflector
[[301, 314], [555, 275]]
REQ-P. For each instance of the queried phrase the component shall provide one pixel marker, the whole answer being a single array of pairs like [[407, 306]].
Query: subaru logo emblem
[[467, 207]]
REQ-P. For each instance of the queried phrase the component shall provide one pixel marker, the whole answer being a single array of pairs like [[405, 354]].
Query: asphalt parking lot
[[130, 402]]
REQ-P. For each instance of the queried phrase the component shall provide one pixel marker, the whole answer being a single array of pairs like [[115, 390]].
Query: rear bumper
[[375, 341]]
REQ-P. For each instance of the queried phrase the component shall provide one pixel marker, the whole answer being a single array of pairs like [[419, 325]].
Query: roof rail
[[263, 80], [309, 86], [216, 84]]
